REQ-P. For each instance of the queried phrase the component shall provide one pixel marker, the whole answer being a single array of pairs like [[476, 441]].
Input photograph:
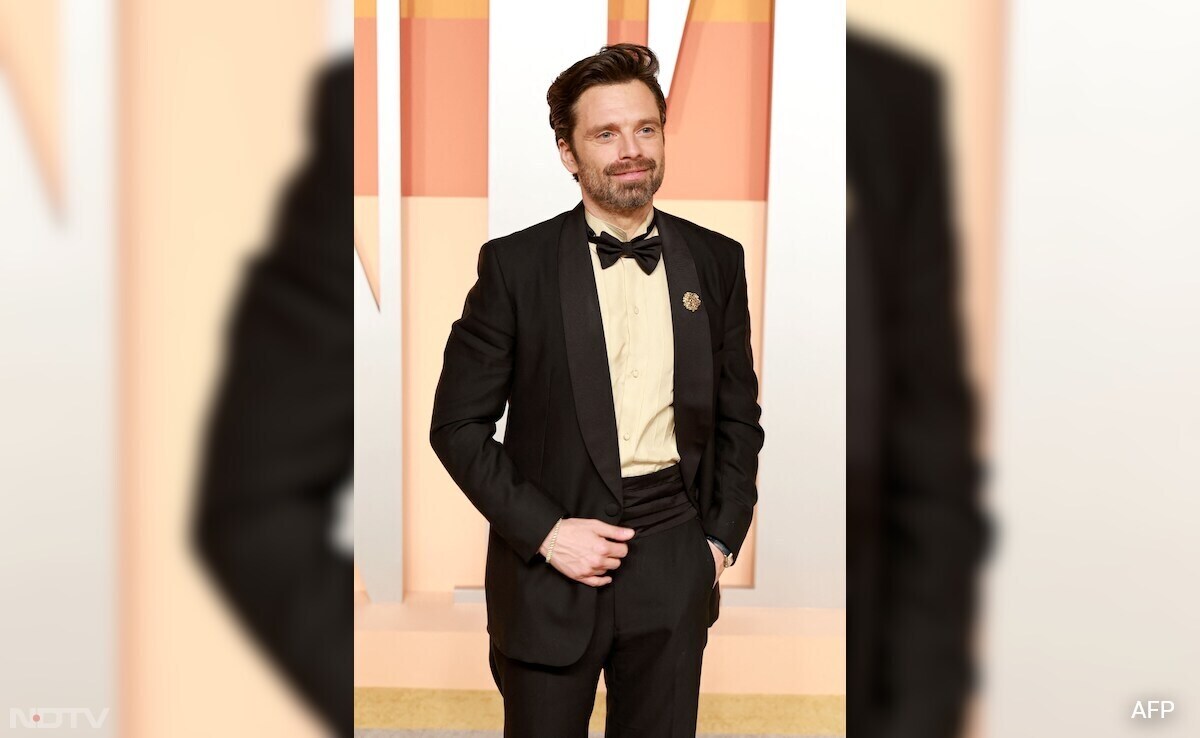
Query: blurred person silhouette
[[619, 336], [916, 531], [280, 438]]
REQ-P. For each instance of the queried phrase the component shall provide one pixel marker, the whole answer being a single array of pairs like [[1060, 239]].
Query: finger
[[611, 563], [613, 532], [617, 550], [596, 581]]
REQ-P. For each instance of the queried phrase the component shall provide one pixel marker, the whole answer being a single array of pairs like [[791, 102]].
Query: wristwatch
[[723, 549]]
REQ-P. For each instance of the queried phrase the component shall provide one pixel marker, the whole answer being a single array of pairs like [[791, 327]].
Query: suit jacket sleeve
[[471, 393], [280, 439], [738, 437], [935, 529]]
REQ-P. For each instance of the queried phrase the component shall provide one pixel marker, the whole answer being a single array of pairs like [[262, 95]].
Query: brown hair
[[613, 65]]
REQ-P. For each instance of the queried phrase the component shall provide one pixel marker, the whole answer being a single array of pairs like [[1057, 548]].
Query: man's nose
[[631, 148]]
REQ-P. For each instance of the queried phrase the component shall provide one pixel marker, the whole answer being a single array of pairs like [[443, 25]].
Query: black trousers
[[649, 638]]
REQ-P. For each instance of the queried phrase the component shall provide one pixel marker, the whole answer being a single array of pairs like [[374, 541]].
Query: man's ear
[[567, 156]]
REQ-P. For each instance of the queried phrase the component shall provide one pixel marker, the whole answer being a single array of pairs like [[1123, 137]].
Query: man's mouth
[[631, 175]]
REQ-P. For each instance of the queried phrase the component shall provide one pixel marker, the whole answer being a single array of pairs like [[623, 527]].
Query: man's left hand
[[718, 561]]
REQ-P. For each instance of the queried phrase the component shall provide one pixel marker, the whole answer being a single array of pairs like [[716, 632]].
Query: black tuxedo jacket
[[916, 531], [531, 335]]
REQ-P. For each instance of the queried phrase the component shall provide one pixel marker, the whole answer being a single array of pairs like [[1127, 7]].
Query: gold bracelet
[[553, 540]]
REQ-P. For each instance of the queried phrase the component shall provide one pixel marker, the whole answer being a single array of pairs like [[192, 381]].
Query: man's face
[[618, 145]]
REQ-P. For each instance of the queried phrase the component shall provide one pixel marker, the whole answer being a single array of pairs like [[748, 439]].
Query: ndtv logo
[[55, 717]]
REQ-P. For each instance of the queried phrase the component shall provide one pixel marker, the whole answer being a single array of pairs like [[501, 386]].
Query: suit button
[[612, 509]]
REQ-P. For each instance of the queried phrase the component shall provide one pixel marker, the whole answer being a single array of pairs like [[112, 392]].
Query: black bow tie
[[647, 251]]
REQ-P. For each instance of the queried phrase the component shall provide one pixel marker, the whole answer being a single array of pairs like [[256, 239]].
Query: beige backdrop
[[210, 126], [966, 40]]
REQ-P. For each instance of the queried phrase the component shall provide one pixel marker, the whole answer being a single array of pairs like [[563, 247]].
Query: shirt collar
[[598, 225]]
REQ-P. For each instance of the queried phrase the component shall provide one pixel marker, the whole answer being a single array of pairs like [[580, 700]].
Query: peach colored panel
[[752, 11], [366, 107], [718, 113], [29, 60], [444, 107], [444, 9], [364, 8], [626, 31], [444, 536], [195, 139], [628, 10]]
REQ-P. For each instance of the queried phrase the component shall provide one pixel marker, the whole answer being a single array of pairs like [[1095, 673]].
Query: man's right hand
[[587, 550]]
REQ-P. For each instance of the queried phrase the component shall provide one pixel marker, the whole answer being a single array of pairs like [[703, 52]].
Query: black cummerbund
[[655, 502]]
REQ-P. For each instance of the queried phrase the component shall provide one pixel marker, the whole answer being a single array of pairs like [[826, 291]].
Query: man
[[619, 336], [916, 531]]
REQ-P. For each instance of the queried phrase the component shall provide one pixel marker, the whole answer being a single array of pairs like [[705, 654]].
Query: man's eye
[[649, 129], [605, 134]]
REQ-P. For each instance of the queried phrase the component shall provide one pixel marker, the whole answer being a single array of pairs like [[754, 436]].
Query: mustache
[[631, 166]]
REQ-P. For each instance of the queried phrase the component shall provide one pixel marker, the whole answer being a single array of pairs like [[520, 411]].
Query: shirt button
[[635, 373], [626, 436], [636, 310]]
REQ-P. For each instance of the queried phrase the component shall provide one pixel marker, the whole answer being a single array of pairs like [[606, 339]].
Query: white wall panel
[[801, 550], [664, 35], [57, 388], [378, 361], [526, 181], [1098, 408]]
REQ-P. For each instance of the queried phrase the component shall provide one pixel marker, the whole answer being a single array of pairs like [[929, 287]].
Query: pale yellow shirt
[[636, 310]]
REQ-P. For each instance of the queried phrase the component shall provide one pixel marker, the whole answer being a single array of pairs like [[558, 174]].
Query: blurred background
[[144, 148], [1070, 144], [925, 95]]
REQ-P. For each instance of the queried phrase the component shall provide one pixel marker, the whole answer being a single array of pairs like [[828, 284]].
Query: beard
[[616, 195]]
